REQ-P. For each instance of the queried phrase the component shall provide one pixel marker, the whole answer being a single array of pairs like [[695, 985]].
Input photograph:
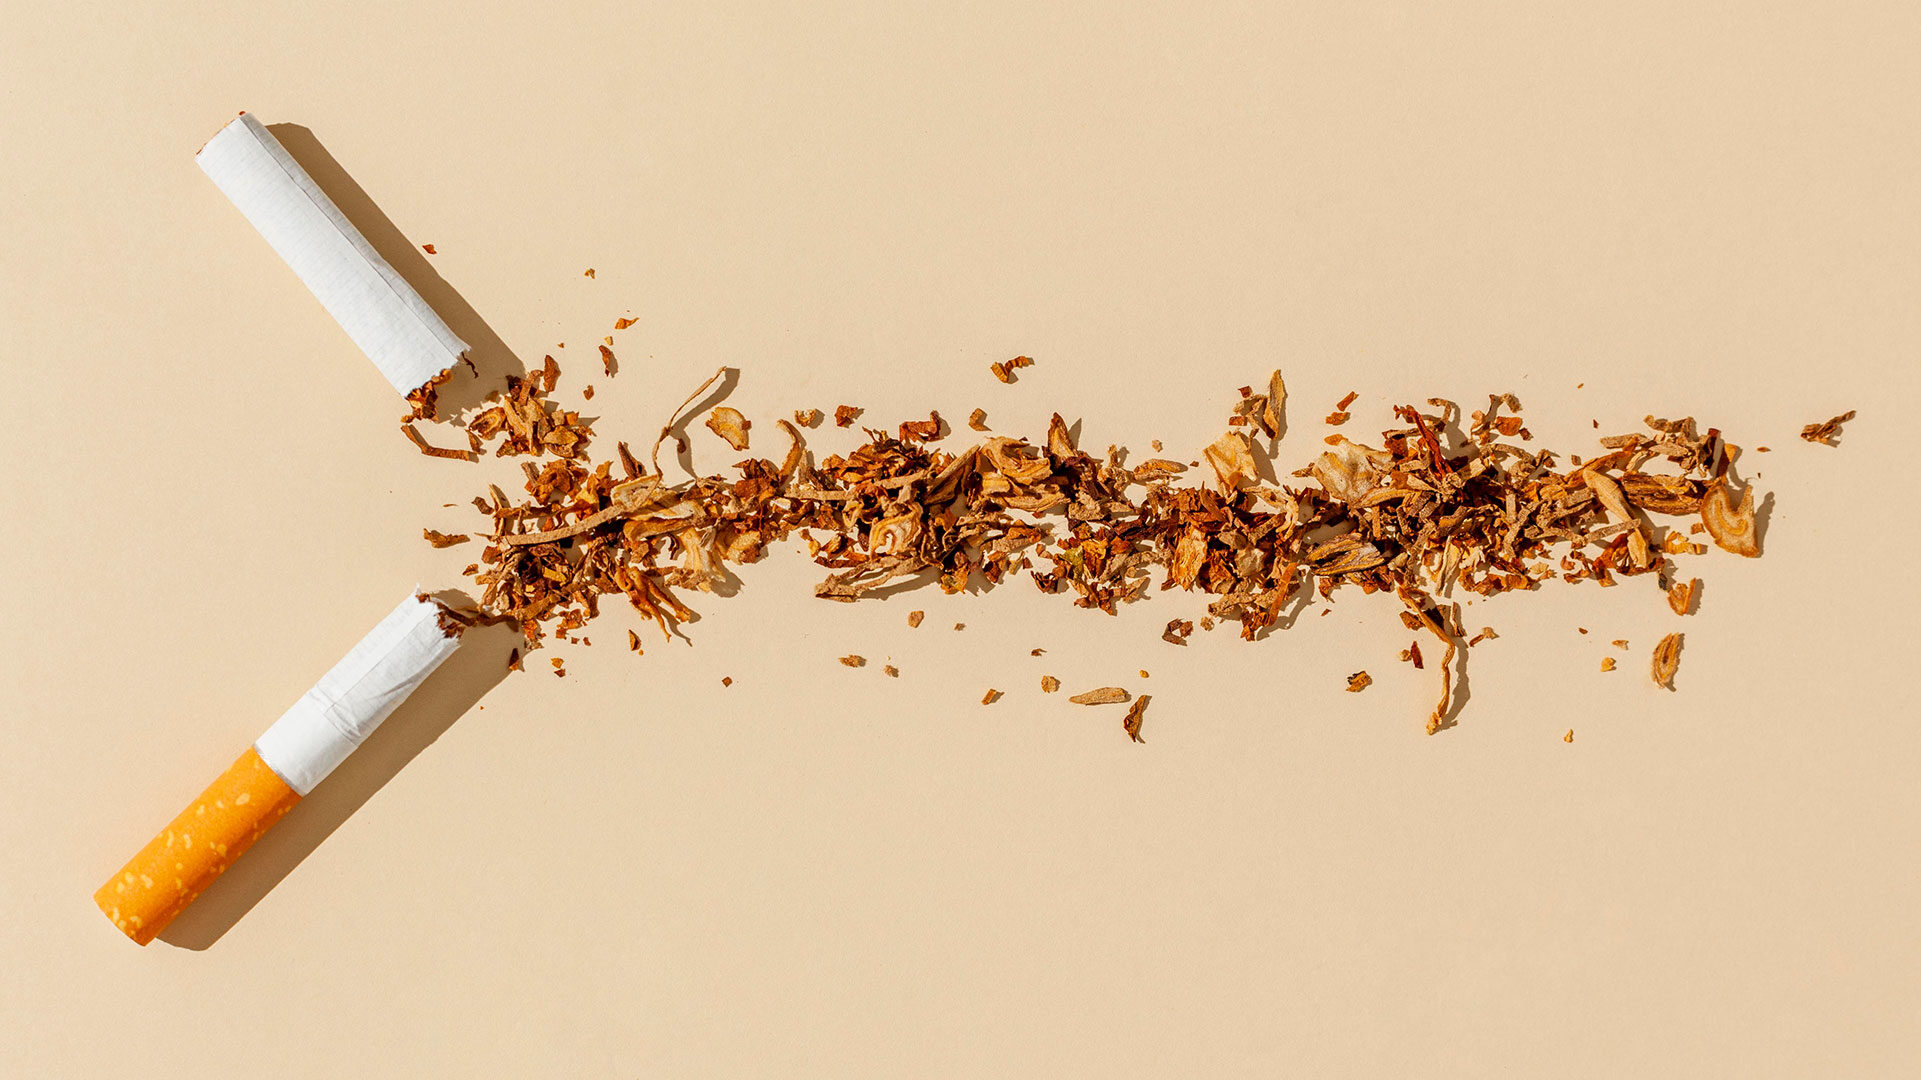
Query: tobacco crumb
[[1681, 596], [808, 418], [977, 420], [420, 441], [1036, 652], [1761, 450], [1143, 673], [1412, 654], [844, 415], [633, 642], [607, 341], [1582, 629], [1156, 444], [607, 361], [1619, 643], [1106, 695], [1177, 631], [854, 661], [1667, 657], [726, 680], [1049, 684], [991, 697], [1607, 663], [587, 392], [1827, 432], [914, 617], [960, 626], [1487, 634], [589, 272], [1207, 624], [1131, 723], [624, 323], [1337, 418], [1359, 681], [441, 539], [1569, 737], [730, 425], [429, 249], [891, 671], [1004, 369]]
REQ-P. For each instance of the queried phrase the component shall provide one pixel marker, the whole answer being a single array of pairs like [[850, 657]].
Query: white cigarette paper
[[384, 315], [351, 700]]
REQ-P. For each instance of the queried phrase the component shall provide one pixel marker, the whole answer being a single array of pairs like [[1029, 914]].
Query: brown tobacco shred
[[977, 420], [1681, 596], [914, 618], [1424, 512], [608, 362], [1131, 723], [1412, 654], [633, 643], [991, 697], [624, 323], [1667, 657], [589, 272], [1569, 737], [420, 441], [726, 680], [1106, 695], [730, 425], [1049, 684], [1607, 663], [807, 417], [429, 249], [854, 661], [1827, 432], [425, 398], [1359, 681], [441, 539], [1004, 369], [891, 671]]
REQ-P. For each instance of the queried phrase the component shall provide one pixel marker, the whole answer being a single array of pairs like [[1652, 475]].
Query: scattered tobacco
[[1827, 432], [1667, 657], [1359, 681], [1106, 695], [1131, 723], [1004, 369], [1049, 684]]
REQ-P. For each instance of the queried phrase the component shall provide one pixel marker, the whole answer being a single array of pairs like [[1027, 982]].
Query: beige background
[[822, 872]]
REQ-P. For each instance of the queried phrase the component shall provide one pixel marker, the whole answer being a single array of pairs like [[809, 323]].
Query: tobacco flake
[[891, 671], [807, 418], [730, 425], [1667, 657], [1731, 525], [844, 415], [977, 420], [1681, 596], [1049, 684], [914, 618], [1131, 723], [1827, 432], [442, 540], [1106, 695], [1359, 681], [623, 323], [852, 660], [991, 697], [1607, 663], [1004, 369]]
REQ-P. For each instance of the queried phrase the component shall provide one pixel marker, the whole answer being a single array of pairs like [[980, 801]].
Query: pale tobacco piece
[[607, 340], [1827, 432], [607, 361], [1731, 525], [1232, 458], [623, 323], [852, 660], [991, 697], [1607, 663], [891, 671], [730, 425], [1681, 596], [977, 420], [1620, 643], [1569, 737], [1667, 657], [1004, 369], [1106, 695], [807, 418], [914, 617], [1049, 684], [1359, 681], [844, 415], [441, 539], [1131, 723]]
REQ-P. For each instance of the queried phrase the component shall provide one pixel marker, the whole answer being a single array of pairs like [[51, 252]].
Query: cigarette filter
[[384, 315], [283, 765]]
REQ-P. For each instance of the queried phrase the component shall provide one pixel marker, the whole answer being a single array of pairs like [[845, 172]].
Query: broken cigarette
[[281, 767], [384, 315]]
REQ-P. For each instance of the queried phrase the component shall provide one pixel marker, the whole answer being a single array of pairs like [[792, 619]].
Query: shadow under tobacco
[[466, 676], [492, 360]]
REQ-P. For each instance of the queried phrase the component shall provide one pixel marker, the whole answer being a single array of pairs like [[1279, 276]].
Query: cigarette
[[281, 767], [410, 344]]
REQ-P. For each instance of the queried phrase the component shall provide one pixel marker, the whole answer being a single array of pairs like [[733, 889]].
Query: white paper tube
[[351, 700], [384, 315]]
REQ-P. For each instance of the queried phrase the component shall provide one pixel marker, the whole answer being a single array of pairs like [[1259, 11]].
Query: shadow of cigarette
[[463, 679], [493, 361]]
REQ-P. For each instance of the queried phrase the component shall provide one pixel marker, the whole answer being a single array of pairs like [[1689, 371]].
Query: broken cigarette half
[[281, 767], [380, 311]]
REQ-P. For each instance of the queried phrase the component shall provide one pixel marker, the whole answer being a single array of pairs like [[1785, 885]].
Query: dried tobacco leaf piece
[[441, 539], [1731, 525], [1338, 417], [1004, 369], [1273, 414], [977, 420], [587, 392], [1827, 432], [730, 425], [1412, 654], [1607, 663], [1106, 695], [844, 415], [914, 617], [1681, 596], [420, 441], [1177, 631], [807, 418], [1233, 462], [1049, 684], [726, 680], [624, 323], [891, 671], [589, 272], [607, 361], [1131, 723], [991, 697], [1359, 681], [921, 430], [1036, 652], [1667, 657], [1569, 737], [429, 249], [633, 642], [1620, 643], [852, 660]]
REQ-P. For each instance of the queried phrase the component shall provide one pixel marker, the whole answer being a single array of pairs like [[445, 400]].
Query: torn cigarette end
[[178, 864]]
